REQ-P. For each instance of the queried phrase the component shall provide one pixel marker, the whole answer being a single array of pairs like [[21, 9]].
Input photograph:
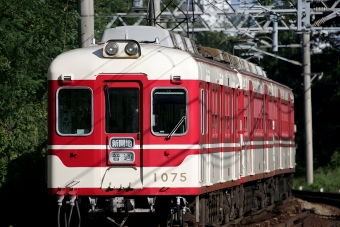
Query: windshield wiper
[[175, 128], [108, 98]]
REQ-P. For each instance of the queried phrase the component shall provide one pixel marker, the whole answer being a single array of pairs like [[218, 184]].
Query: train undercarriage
[[217, 208]]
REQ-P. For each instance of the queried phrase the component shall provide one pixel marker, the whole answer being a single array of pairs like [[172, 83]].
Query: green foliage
[[104, 10], [32, 35], [216, 40], [325, 101], [324, 177], [335, 160]]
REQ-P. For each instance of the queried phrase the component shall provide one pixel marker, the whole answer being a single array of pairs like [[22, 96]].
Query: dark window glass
[[121, 110], [74, 111], [169, 106]]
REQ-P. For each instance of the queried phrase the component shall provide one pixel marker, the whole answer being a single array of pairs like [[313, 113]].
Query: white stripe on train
[[165, 146]]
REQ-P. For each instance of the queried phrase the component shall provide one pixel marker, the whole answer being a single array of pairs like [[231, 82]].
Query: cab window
[[169, 111], [74, 111]]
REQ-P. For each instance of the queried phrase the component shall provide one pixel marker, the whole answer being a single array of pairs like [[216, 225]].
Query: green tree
[[104, 11], [217, 40], [32, 35]]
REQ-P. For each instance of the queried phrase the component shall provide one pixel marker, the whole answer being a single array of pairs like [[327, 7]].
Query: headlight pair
[[130, 49]]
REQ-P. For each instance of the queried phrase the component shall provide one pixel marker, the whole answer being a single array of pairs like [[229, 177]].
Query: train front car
[[119, 120], [146, 124]]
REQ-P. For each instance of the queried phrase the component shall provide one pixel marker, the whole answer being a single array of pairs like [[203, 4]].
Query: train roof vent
[[212, 53], [236, 62], [244, 64], [194, 46], [252, 68], [227, 58], [189, 45], [183, 43], [260, 71], [178, 41]]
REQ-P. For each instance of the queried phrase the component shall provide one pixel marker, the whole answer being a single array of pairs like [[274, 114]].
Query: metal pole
[[275, 34], [86, 24], [157, 8], [151, 14], [193, 18], [308, 107]]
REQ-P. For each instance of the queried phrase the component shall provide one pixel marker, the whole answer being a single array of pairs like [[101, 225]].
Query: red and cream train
[[146, 123]]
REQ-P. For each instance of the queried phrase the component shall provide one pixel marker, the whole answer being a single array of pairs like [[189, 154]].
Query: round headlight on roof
[[131, 48], [111, 48]]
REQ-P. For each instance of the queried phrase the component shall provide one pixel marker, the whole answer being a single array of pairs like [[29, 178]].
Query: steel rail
[[332, 199]]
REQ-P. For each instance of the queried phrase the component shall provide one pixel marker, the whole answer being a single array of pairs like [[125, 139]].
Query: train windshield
[[121, 110], [169, 108], [74, 111]]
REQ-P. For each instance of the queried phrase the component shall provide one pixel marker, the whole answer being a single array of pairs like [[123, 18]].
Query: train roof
[[163, 54], [139, 33], [156, 61]]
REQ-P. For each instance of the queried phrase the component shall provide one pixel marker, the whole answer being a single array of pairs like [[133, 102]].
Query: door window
[[121, 110]]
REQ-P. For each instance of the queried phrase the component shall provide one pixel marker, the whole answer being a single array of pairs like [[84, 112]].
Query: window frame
[[187, 112], [57, 110]]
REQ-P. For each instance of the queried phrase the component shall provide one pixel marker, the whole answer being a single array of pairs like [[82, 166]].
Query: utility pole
[[275, 32], [151, 13], [308, 107], [303, 21], [86, 24], [154, 11], [157, 8]]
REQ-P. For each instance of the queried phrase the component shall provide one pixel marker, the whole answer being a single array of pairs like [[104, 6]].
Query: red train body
[[131, 121]]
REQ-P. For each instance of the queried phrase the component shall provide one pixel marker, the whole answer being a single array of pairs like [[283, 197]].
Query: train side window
[[169, 111], [202, 111], [74, 111]]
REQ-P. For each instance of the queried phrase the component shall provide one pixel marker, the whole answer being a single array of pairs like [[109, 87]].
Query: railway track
[[332, 199], [304, 208], [288, 213]]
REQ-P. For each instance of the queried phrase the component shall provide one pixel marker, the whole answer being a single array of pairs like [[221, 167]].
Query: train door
[[227, 132], [278, 132], [214, 151], [251, 131], [263, 124], [245, 142], [270, 126], [238, 136], [205, 134], [275, 127], [291, 131], [122, 131]]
